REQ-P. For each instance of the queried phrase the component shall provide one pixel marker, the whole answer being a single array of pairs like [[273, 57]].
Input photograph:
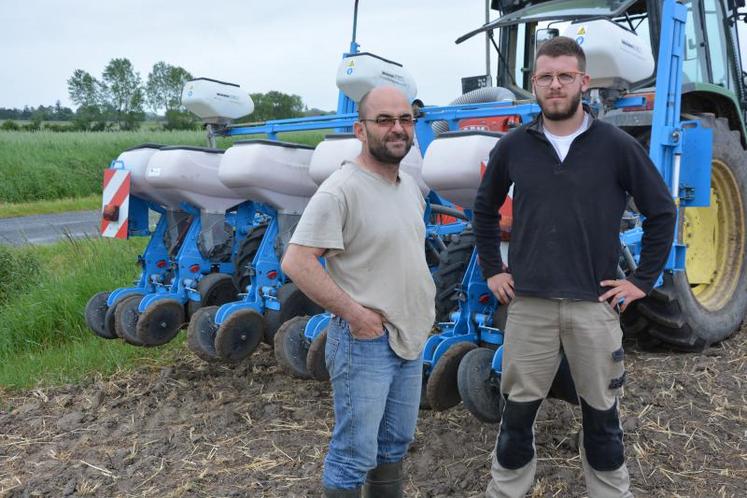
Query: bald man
[[366, 220]]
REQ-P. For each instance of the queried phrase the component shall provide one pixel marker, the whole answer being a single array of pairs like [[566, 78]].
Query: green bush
[[10, 125], [180, 120]]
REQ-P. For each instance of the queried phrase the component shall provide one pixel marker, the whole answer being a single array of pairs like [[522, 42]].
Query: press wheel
[[215, 289], [95, 314], [160, 322], [239, 335], [292, 347], [442, 390], [201, 333], [126, 317], [479, 387], [316, 363]]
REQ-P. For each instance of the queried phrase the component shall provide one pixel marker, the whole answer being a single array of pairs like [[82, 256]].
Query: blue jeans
[[376, 398]]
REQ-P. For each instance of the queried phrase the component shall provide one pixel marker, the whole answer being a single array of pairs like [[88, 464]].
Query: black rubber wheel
[[126, 317], [239, 335], [447, 277], [441, 389], [95, 314], [699, 307], [479, 387], [201, 333], [631, 322], [315, 360], [248, 248], [563, 386], [424, 404], [291, 347], [160, 322], [110, 327], [215, 289], [293, 303]]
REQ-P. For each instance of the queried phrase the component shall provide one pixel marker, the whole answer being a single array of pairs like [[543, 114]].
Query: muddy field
[[195, 429]]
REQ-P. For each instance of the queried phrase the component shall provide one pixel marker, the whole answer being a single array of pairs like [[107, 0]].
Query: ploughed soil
[[197, 429]]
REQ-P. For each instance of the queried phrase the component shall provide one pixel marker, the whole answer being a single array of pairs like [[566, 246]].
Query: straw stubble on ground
[[195, 429]]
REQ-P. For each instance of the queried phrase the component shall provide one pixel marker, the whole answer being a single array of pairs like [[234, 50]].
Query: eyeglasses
[[386, 121], [546, 79]]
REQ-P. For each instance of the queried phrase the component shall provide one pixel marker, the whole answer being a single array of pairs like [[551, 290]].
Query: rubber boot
[[385, 481], [342, 493]]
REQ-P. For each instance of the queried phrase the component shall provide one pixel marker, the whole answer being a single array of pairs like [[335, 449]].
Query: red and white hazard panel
[[116, 203]]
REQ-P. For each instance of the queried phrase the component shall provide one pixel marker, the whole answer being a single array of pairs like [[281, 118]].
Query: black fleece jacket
[[566, 215]]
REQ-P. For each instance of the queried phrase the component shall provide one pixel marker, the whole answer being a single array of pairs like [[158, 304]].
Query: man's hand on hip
[[502, 285], [623, 292], [366, 324]]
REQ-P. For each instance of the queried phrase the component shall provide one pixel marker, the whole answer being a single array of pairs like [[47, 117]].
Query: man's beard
[[381, 153], [563, 113]]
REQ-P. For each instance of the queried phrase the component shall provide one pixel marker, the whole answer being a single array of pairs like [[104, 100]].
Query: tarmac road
[[48, 228]]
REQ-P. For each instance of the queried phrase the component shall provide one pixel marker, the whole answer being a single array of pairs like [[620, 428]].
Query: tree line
[[120, 96], [120, 99]]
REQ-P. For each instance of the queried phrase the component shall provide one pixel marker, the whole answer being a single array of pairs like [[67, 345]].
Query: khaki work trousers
[[589, 333]]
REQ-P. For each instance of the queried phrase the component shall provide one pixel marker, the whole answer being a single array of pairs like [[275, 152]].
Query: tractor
[[687, 106]]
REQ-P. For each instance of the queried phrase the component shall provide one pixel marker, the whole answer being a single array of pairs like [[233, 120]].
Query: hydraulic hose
[[487, 94], [448, 211]]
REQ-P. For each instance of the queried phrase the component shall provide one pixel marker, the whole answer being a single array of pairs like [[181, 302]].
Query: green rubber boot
[[385, 481]]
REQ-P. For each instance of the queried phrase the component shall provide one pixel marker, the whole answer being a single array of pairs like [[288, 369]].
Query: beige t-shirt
[[374, 234]]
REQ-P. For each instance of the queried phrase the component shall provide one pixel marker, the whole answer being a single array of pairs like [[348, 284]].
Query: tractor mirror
[[543, 35]]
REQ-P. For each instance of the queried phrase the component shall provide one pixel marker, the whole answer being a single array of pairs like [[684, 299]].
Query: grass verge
[[46, 165], [43, 336], [11, 209], [81, 359]]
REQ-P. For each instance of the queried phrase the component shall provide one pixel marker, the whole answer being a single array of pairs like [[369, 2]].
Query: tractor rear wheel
[[707, 302], [451, 267]]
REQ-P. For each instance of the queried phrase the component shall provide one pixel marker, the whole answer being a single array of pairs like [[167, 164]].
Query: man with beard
[[571, 175], [366, 220]]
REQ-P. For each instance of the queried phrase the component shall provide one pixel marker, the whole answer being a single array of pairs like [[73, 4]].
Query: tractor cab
[[621, 38]]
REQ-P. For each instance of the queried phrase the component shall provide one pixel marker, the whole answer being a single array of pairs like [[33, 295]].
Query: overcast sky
[[290, 46]]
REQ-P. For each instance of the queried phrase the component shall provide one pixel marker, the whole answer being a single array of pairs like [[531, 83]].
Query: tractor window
[[693, 66], [714, 25]]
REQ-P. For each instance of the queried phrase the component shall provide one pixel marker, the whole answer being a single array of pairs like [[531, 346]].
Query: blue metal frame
[[183, 286], [154, 261], [266, 279]]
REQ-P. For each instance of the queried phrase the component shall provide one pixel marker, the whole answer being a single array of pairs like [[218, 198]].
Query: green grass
[[79, 360], [43, 336], [10, 209], [47, 166]]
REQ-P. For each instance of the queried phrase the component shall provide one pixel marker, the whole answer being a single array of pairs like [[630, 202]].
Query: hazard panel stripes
[[116, 203]]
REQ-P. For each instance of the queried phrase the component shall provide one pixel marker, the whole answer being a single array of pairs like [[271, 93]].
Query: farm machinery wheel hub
[[239, 335]]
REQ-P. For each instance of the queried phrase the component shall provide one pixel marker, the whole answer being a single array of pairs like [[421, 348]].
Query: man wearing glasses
[[366, 220], [571, 176]]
